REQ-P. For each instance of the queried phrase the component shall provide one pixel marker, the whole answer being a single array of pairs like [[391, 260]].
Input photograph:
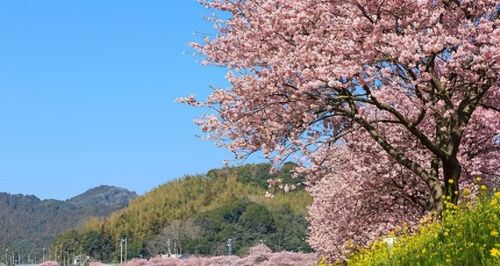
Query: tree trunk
[[451, 171], [437, 203]]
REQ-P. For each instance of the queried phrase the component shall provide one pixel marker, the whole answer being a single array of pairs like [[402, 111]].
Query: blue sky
[[87, 92]]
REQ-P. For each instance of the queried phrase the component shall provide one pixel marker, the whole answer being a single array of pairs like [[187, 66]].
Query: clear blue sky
[[87, 92]]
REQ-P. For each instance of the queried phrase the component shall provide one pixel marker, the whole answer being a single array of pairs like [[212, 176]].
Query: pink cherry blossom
[[388, 105], [259, 255], [49, 263]]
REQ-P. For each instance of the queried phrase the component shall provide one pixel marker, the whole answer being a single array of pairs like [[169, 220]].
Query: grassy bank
[[467, 235]]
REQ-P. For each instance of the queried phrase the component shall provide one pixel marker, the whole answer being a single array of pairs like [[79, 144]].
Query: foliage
[[404, 93], [467, 235], [252, 174], [197, 214], [248, 223]]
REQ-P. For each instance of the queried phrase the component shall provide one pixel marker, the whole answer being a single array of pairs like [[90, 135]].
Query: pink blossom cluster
[[360, 197], [259, 255], [389, 106], [49, 263]]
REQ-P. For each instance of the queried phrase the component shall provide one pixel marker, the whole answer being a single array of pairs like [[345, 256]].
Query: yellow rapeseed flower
[[483, 187], [497, 195], [495, 252], [450, 181], [494, 233]]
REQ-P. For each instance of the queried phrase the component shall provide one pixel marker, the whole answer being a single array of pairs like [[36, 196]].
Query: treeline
[[197, 215]]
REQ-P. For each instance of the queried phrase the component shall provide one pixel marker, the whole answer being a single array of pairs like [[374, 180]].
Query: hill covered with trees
[[28, 223], [197, 215]]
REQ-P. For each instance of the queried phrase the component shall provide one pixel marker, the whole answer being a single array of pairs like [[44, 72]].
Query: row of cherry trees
[[390, 106], [259, 255]]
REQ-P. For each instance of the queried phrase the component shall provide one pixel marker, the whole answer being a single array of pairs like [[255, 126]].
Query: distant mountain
[[28, 223], [101, 201]]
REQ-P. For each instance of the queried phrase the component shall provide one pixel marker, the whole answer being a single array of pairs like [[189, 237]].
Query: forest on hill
[[197, 215], [29, 223]]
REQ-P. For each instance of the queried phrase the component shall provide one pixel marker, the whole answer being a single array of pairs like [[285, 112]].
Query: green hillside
[[27, 223], [197, 214]]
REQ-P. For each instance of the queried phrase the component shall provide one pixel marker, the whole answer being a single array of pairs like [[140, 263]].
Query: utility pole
[[169, 251], [229, 247], [123, 241], [126, 248], [121, 250]]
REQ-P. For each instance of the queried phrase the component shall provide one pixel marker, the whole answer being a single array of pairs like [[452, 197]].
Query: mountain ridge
[[32, 222]]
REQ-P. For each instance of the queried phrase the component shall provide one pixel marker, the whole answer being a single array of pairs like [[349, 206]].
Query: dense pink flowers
[[49, 263], [259, 255], [388, 105]]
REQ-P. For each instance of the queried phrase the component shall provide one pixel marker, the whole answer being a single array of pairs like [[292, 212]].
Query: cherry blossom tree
[[259, 255], [392, 104]]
